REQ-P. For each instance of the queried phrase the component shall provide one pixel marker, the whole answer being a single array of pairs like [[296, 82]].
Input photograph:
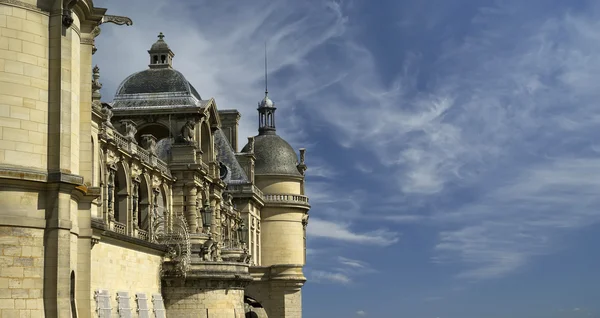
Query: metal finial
[[161, 35], [266, 87]]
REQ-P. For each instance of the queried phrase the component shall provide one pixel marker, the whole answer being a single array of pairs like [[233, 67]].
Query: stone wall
[[282, 236], [23, 86], [21, 272], [117, 268], [204, 303]]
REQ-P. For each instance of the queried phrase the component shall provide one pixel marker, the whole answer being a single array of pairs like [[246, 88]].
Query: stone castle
[[143, 206]]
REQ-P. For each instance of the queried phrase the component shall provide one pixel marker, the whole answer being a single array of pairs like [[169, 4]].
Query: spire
[[266, 82], [161, 55], [266, 108]]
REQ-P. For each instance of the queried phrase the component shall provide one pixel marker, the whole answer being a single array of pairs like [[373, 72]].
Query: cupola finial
[[266, 108], [266, 82], [161, 55]]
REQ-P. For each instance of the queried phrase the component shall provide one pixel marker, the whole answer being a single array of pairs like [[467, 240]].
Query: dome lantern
[[161, 55]]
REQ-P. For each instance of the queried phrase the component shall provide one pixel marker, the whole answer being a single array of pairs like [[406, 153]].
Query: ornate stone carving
[[251, 144], [136, 171], [302, 166], [206, 249], [93, 241], [130, 129], [135, 204], [302, 155], [149, 143], [118, 20], [96, 85], [305, 221], [187, 131], [67, 14], [106, 110], [179, 247], [96, 31], [156, 181]]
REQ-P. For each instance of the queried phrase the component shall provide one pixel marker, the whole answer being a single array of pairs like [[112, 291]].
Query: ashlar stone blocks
[[23, 86]]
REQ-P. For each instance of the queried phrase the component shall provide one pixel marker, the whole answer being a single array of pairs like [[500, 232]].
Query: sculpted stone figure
[[149, 143], [302, 155], [207, 248], [130, 129], [107, 115], [187, 131], [251, 144]]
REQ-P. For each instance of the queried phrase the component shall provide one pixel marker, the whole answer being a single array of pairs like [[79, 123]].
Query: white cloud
[[505, 228], [337, 269], [319, 276], [352, 262], [361, 313], [318, 228], [221, 51]]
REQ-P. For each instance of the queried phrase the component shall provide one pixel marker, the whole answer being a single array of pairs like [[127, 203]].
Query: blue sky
[[453, 160]]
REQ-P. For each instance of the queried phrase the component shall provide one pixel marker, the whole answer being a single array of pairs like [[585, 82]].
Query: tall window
[[72, 296]]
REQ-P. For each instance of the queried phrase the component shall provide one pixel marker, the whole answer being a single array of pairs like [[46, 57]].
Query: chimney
[[230, 119]]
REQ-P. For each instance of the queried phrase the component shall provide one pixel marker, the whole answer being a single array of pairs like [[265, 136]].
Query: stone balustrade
[[125, 145], [245, 188], [286, 198]]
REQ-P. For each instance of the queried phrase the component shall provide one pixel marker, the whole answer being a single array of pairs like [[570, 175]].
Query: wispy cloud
[[319, 276], [361, 313], [318, 228], [339, 270], [508, 226], [222, 50]]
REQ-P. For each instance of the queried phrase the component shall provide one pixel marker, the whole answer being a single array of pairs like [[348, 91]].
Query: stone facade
[[143, 204]]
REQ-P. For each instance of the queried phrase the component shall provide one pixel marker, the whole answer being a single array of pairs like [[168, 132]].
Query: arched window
[[155, 59], [121, 195], [144, 206], [163, 59], [205, 143]]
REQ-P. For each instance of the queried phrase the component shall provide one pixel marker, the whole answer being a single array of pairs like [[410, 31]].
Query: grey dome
[[156, 87], [274, 156], [266, 102], [162, 80]]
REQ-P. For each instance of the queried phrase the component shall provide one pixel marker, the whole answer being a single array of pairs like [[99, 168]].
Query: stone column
[[135, 185], [110, 197], [191, 210]]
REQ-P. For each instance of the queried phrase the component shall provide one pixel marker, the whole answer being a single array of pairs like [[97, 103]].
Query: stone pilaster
[[191, 209]]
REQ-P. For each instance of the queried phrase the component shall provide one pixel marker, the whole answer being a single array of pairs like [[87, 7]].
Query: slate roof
[[274, 156], [157, 87], [226, 155]]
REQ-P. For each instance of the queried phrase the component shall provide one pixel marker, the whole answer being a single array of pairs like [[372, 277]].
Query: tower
[[280, 176]]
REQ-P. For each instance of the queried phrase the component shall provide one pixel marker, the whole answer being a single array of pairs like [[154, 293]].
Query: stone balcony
[[287, 199]]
